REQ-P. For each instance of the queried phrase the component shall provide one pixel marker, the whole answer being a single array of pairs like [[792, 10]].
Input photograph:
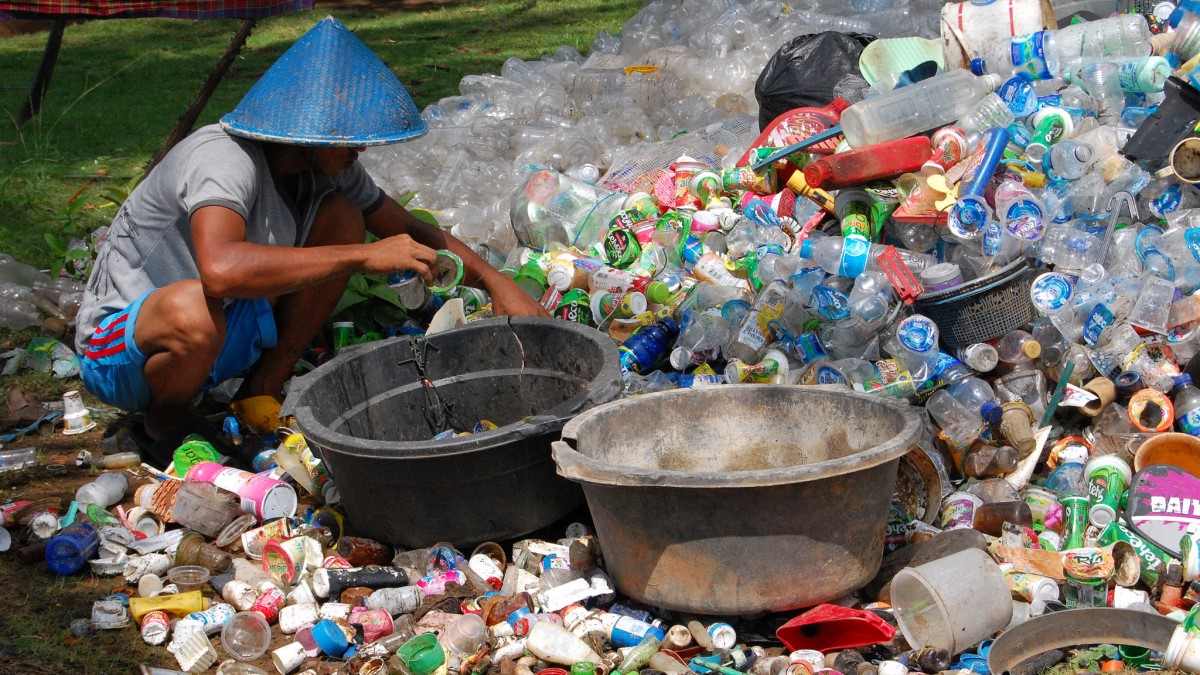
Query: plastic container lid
[[422, 654], [188, 577], [941, 276]]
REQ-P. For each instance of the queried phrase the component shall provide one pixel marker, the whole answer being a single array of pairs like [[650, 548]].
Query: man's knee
[[337, 221], [185, 321]]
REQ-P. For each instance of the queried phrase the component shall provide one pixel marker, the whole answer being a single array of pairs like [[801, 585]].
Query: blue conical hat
[[328, 89]]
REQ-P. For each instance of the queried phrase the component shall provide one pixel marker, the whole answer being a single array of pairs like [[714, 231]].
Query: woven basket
[[983, 309]]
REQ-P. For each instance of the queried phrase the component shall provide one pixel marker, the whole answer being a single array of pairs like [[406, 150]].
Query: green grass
[[120, 86]]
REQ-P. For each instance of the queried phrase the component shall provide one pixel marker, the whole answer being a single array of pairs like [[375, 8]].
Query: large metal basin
[[739, 499], [366, 411]]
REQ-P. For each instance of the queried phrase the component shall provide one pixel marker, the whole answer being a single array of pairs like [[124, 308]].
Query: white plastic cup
[[73, 403], [952, 603], [76, 417], [294, 617], [1183, 652], [814, 658], [288, 657]]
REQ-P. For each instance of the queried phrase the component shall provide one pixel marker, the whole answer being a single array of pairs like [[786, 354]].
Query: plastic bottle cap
[[657, 292], [978, 66], [1031, 349], [806, 249], [991, 412], [1183, 380], [817, 173]]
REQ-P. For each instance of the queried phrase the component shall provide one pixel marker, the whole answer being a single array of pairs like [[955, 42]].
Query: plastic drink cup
[[343, 335], [447, 272], [575, 305], [1107, 477], [958, 511], [1075, 518]]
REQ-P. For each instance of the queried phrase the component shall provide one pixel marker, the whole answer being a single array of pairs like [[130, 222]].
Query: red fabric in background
[[128, 9]]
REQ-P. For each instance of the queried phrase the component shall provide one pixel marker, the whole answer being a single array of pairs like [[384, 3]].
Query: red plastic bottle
[[867, 164]]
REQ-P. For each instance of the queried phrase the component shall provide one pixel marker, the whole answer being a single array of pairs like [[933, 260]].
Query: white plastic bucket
[[985, 31]]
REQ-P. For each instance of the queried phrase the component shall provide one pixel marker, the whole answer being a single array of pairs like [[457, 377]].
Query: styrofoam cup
[[288, 657]]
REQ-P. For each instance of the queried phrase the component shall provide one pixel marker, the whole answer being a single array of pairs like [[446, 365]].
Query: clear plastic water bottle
[[979, 357], [990, 112], [851, 256], [1046, 54], [928, 104], [1018, 348]]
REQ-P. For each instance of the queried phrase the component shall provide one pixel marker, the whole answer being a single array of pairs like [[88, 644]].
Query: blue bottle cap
[[978, 66], [1182, 380], [1128, 382], [991, 412]]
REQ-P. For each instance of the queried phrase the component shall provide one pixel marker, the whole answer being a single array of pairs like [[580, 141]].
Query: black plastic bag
[[804, 72]]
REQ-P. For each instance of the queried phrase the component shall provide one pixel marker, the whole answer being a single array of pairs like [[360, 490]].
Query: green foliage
[[1090, 659]]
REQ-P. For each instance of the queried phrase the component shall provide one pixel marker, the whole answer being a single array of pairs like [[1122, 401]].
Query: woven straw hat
[[328, 89]]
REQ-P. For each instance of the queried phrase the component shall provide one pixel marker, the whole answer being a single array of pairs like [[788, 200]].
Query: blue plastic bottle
[[70, 549], [648, 345]]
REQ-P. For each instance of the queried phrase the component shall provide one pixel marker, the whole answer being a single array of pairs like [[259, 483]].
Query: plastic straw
[[1058, 393]]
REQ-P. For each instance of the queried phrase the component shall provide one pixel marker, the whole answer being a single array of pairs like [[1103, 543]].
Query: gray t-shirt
[[149, 244]]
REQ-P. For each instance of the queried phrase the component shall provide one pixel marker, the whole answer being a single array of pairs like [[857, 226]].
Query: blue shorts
[[114, 367]]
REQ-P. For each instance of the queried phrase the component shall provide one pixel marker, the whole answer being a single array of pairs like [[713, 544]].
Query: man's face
[[329, 161]]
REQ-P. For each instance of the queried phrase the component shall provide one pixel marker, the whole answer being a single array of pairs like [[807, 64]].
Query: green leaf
[[359, 284], [349, 299], [425, 216], [387, 294], [55, 242], [405, 199]]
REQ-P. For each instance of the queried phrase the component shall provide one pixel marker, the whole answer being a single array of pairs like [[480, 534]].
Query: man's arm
[[231, 267], [391, 220]]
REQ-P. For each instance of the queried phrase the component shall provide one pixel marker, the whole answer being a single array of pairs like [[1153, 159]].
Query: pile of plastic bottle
[[1019, 273]]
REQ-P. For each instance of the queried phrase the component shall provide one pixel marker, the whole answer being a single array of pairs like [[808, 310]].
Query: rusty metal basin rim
[[579, 467]]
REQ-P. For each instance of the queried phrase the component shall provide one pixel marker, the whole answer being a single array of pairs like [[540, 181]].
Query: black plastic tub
[[366, 412]]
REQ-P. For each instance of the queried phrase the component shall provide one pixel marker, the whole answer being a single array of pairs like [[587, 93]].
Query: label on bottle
[[1192, 238], [1049, 101], [992, 236], [768, 308], [855, 250], [1189, 422], [828, 375], [809, 348], [1100, 318], [831, 303], [1028, 54], [1168, 201]]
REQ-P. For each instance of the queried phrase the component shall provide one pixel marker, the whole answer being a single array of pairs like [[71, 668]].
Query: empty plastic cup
[[246, 636], [951, 603]]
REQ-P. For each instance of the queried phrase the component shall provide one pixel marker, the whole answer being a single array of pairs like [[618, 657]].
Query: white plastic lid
[[940, 274]]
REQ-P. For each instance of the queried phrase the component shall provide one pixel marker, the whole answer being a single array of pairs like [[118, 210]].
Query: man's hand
[[509, 299], [400, 252]]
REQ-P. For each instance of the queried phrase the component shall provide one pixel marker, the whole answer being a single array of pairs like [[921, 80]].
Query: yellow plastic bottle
[[180, 604]]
